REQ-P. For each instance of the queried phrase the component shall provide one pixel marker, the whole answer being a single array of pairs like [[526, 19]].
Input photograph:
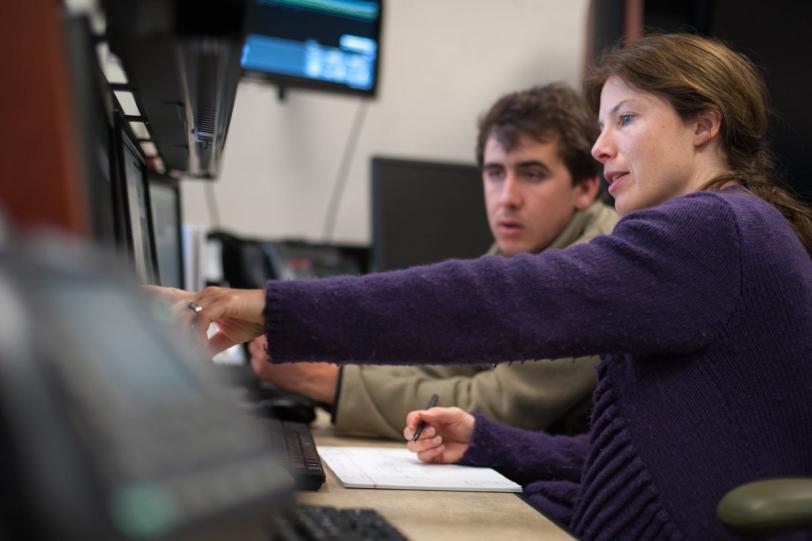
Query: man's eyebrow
[[524, 164], [533, 163]]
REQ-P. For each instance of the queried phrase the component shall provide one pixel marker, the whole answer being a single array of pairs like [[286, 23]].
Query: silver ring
[[194, 307]]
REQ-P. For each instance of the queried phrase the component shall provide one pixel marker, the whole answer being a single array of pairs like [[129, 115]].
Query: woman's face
[[648, 152]]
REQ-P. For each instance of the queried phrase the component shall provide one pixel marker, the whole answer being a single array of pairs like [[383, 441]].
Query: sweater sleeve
[[663, 282], [548, 467], [525, 456], [375, 399]]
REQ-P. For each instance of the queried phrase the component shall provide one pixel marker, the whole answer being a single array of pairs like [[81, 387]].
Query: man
[[542, 191]]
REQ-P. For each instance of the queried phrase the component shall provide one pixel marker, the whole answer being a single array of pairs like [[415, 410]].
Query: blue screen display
[[329, 44]]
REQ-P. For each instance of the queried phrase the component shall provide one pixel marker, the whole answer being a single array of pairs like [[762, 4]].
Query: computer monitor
[[92, 105], [323, 44], [424, 212], [140, 238], [164, 198]]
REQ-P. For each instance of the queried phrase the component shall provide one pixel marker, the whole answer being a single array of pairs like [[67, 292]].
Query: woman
[[700, 303]]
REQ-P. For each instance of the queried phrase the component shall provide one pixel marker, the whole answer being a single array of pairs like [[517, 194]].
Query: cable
[[211, 204], [343, 171]]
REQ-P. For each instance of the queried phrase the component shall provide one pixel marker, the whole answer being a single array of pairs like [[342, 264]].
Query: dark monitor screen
[[98, 165], [324, 44], [424, 212], [139, 226], [164, 198]]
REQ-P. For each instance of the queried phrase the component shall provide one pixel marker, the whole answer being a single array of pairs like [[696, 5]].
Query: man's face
[[529, 194]]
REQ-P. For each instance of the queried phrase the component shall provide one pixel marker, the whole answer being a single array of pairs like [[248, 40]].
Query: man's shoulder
[[600, 220]]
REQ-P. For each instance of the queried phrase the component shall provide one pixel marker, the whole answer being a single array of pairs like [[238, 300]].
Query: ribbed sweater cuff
[[481, 445], [523, 455], [273, 319]]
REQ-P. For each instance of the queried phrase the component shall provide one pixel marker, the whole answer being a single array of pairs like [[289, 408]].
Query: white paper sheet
[[376, 467]]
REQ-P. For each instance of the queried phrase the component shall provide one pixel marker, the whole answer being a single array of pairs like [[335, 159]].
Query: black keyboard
[[310, 523], [291, 438], [295, 441]]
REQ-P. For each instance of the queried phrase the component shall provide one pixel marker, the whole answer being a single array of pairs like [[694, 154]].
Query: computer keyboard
[[310, 522], [295, 441]]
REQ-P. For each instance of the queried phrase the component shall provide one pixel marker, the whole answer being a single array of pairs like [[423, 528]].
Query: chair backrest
[[769, 507]]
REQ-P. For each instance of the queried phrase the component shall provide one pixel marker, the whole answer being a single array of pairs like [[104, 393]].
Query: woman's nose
[[603, 150]]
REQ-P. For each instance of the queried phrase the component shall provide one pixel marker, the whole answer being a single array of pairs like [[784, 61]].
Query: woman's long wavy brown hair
[[694, 74]]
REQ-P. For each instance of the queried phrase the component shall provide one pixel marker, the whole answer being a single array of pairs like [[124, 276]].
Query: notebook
[[395, 468]]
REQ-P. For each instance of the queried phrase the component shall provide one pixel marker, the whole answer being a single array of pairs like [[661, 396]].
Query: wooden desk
[[429, 515]]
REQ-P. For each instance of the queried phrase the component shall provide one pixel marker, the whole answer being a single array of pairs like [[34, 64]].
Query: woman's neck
[[711, 164]]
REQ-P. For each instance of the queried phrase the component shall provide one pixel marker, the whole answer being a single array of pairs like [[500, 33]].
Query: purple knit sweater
[[702, 310]]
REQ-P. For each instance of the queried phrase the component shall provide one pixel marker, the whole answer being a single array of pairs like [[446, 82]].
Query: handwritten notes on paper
[[376, 467]]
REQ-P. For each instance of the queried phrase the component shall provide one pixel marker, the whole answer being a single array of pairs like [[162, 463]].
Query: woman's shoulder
[[697, 214], [736, 200], [756, 219], [717, 221], [712, 209], [731, 219]]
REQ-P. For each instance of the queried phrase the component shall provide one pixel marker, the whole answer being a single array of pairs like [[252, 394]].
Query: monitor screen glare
[[138, 217], [166, 224]]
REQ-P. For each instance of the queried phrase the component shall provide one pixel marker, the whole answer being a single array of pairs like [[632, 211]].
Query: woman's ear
[[706, 126]]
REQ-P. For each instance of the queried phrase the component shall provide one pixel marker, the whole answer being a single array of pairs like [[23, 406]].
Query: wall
[[444, 62]]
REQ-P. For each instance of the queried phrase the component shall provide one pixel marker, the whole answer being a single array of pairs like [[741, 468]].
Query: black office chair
[[769, 507], [245, 265]]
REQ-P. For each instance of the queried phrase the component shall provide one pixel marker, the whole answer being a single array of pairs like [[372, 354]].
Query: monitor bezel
[[123, 137], [174, 185]]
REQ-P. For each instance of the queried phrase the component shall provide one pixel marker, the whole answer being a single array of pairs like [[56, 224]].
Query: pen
[[422, 425]]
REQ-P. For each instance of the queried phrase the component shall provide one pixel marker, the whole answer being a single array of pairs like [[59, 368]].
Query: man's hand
[[314, 380]]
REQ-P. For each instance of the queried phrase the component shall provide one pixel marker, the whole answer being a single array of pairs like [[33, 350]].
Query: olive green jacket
[[535, 395]]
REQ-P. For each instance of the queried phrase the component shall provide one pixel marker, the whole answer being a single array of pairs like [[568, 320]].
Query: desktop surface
[[429, 515]]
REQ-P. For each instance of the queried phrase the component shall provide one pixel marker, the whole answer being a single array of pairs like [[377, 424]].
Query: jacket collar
[[579, 228]]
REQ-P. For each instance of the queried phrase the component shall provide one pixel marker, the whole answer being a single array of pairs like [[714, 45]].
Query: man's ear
[[706, 126], [585, 192]]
